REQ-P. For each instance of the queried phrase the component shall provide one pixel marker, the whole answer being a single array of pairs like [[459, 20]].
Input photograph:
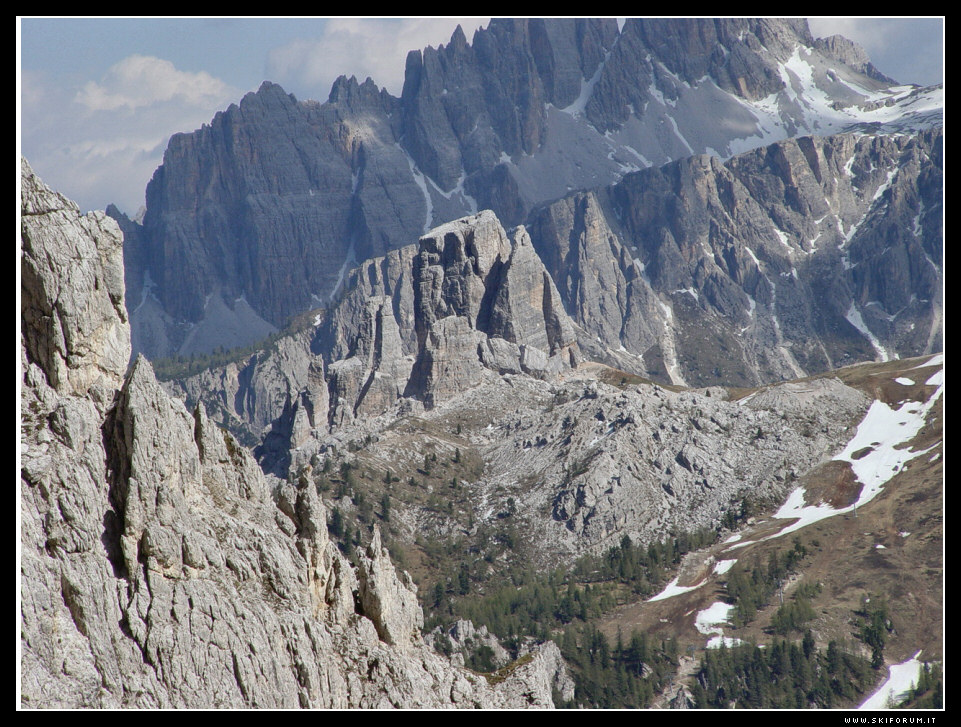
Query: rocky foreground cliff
[[158, 569]]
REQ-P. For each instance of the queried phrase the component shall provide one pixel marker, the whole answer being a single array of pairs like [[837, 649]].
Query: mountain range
[[261, 215], [657, 295]]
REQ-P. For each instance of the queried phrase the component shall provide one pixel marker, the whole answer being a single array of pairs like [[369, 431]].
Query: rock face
[[249, 395], [473, 287], [422, 323], [806, 255], [74, 319], [260, 214], [157, 567]]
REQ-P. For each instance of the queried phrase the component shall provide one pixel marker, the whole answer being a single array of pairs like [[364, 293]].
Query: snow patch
[[716, 642], [636, 153], [457, 189], [654, 91], [901, 678], [587, 88], [904, 381], [687, 290], [934, 361], [723, 566], [679, 135], [420, 180], [884, 185], [710, 620], [672, 589], [782, 237], [847, 167], [854, 318], [148, 285], [884, 432]]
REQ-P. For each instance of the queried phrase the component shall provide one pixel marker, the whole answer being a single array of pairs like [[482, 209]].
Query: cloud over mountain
[[139, 81], [103, 134]]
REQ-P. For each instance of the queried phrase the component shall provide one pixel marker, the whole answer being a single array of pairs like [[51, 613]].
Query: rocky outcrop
[[258, 215], [390, 603], [422, 323], [472, 285], [796, 258], [251, 394], [158, 569], [464, 638], [72, 305], [426, 321], [575, 464]]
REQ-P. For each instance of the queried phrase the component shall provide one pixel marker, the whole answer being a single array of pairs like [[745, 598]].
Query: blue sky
[[99, 97]]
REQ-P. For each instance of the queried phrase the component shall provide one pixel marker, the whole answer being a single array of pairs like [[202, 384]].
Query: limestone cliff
[[158, 569], [422, 323]]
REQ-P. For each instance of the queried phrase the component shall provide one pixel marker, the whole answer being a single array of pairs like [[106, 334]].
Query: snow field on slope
[[884, 432], [710, 620], [901, 678]]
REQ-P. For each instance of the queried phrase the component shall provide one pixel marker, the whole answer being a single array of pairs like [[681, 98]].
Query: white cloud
[[101, 142], [362, 48], [139, 81]]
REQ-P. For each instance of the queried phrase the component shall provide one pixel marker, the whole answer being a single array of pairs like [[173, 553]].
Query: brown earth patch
[[833, 483]]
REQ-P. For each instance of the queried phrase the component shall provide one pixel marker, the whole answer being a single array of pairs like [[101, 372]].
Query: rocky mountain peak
[[851, 54], [458, 40], [467, 302], [74, 319], [350, 92]]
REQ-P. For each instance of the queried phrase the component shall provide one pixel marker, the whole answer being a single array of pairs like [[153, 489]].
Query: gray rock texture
[[850, 54], [642, 461], [786, 261], [248, 396], [72, 305], [158, 567]]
